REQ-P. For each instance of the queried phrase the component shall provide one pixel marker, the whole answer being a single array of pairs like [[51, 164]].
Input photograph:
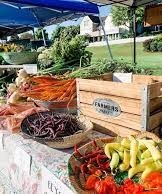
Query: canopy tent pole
[[44, 39], [134, 35], [33, 34], [106, 38]]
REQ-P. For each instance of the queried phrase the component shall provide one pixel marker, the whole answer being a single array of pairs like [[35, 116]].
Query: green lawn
[[125, 52]]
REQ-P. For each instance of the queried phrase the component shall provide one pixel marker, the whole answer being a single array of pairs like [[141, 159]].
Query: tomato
[[90, 183], [101, 187]]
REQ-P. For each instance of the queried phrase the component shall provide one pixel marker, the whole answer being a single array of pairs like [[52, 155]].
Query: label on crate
[[52, 185], [107, 107]]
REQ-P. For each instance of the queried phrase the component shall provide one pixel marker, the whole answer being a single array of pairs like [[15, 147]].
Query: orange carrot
[[68, 90], [71, 99]]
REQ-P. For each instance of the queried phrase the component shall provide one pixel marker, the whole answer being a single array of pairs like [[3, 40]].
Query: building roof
[[95, 19]]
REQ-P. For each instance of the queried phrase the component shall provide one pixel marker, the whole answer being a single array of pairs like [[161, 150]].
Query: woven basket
[[18, 58], [65, 142], [76, 180]]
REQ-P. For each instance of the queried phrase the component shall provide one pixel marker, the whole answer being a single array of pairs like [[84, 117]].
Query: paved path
[[120, 41]]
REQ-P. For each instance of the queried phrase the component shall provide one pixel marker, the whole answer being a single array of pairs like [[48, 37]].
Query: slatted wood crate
[[140, 104]]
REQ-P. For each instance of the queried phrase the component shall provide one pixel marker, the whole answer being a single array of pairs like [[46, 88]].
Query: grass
[[149, 60]]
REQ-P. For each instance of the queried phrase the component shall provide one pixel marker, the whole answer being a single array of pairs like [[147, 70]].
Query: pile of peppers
[[92, 161], [97, 174], [108, 185]]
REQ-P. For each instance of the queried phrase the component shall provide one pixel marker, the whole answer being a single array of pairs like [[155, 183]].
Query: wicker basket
[[65, 142], [76, 180], [18, 58]]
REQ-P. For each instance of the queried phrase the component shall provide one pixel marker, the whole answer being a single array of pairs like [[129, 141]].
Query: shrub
[[146, 44], [153, 46], [159, 46]]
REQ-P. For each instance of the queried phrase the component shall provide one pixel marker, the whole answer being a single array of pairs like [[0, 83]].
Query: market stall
[[48, 124]]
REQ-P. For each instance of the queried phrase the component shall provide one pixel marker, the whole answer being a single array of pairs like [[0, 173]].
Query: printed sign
[[52, 185], [153, 15], [107, 107]]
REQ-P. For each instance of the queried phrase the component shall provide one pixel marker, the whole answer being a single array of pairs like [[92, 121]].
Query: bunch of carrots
[[47, 88]]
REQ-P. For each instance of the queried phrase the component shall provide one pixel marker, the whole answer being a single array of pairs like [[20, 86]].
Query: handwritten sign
[[107, 107], [23, 160], [52, 185]]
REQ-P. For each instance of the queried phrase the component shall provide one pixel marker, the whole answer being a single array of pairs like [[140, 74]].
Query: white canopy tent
[[133, 4], [128, 3]]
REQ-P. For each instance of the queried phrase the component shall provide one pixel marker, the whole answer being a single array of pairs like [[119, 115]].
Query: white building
[[91, 27]]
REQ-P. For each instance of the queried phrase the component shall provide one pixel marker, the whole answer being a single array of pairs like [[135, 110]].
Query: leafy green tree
[[14, 37], [39, 35], [70, 32], [122, 16], [57, 33]]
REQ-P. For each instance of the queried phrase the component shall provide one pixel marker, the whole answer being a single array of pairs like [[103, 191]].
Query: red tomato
[[90, 183]]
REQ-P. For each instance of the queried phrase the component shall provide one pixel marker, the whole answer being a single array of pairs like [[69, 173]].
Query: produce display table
[[33, 168]]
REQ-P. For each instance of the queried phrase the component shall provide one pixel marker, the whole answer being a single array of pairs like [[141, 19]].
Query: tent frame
[[133, 8]]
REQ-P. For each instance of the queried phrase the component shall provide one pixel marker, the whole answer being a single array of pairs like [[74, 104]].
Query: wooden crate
[[140, 104]]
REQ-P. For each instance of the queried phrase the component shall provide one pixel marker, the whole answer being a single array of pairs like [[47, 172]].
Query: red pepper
[[130, 187], [91, 155], [90, 183], [83, 169], [153, 180], [101, 187]]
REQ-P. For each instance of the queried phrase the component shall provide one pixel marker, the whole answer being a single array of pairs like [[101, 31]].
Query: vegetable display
[[135, 156], [124, 166], [49, 125], [47, 88], [13, 90], [11, 48]]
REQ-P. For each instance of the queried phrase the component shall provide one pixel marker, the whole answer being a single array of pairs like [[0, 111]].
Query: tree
[[26, 35], [39, 35], [65, 32], [70, 32], [122, 16], [57, 33], [14, 37]]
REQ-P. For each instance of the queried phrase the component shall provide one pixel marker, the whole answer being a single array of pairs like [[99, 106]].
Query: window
[[85, 23]]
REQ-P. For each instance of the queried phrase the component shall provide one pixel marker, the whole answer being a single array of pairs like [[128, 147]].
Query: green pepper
[[121, 176]]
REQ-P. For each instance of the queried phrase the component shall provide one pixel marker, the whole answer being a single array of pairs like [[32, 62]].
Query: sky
[[104, 11]]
